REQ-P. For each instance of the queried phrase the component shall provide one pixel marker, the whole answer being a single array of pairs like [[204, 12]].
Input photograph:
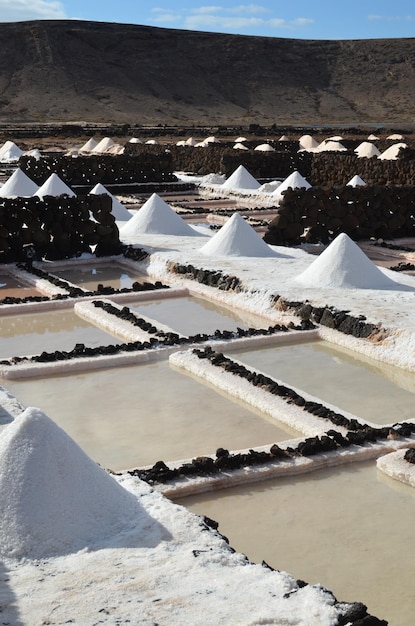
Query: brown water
[[138, 415], [10, 287], [89, 276], [33, 333], [191, 315], [349, 529], [377, 392]]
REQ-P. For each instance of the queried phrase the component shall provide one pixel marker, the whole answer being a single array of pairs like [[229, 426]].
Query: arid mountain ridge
[[61, 71]]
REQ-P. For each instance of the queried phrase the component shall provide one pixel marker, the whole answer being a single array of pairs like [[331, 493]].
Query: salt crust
[[395, 466]]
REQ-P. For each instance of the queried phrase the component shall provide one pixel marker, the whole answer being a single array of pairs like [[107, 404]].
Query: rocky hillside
[[72, 71]]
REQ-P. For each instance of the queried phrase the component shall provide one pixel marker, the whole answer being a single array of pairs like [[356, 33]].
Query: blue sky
[[304, 19]]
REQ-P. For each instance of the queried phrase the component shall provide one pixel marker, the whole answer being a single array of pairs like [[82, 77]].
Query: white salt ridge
[[241, 179], [89, 145], [156, 217], [396, 136], [10, 152], [343, 265], [237, 238], [392, 153], [295, 181], [366, 149], [264, 147], [54, 186], [118, 210], [103, 145], [356, 181], [18, 185], [55, 499]]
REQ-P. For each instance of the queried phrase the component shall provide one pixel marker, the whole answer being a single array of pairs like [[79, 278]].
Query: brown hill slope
[[69, 70]]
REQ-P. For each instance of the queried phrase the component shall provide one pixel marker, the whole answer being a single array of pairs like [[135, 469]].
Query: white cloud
[[20, 10], [167, 17], [392, 18], [208, 9], [248, 8], [221, 22]]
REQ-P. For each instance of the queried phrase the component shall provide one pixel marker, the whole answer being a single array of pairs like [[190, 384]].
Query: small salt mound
[[269, 187], [10, 152], [151, 142], [241, 179], [295, 181], [134, 140], [237, 238], [54, 499], [395, 137], [103, 145], [366, 150], [35, 154], [181, 143], [118, 210], [240, 146], [117, 148], [335, 138], [356, 181], [213, 179], [18, 185], [392, 153], [373, 137], [343, 265], [54, 186], [190, 142], [156, 217], [264, 147], [284, 138], [89, 145], [307, 142], [240, 139], [211, 139]]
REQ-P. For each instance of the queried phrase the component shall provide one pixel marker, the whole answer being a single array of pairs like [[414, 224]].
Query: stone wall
[[57, 228], [320, 214]]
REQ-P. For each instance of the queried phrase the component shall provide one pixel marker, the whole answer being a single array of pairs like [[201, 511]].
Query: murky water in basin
[[29, 333], [377, 392], [135, 416], [88, 277], [349, 529], [191, 315], [10, 287]]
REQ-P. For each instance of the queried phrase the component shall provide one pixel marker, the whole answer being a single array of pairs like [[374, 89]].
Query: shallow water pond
[[135, 416], [191, 315], [88, 277], [349, 528], [370, 389]]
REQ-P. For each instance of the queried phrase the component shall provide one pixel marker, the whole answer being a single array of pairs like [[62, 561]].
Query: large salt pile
[[18, 185], [103, 145], [118, 210], [54, 186], [10, 152], [295, 181], [54, 498], [392, 153], [367, 150], [237, 238], [307, 142], [241, 179], [343, 265], [89, 146], [356, 181], [156, 217]]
